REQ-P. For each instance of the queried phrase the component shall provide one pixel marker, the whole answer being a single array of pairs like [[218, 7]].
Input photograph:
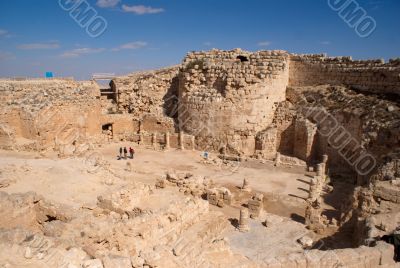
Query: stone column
[[307, 216], [141, 138], [320, 169], [181, 140], [167, 145], [140, 126], [278, 160], [325, 164], [154, 140], [244, 220], [193, 143], [255, 205], [314, 192], [245, 186], [325, 158]]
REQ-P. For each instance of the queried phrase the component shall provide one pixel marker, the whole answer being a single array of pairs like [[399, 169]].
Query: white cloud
[[325, 43], [132, 45], [207, 44], [264, 43], [6, 56], [81, 51], [48, 45], [141, 10], [3, 32], [107, 3]]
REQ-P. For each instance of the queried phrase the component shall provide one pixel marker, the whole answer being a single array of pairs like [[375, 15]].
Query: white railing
[[103, 76]]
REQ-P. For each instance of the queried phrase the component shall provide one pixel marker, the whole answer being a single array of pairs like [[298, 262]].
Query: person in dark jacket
[[125, 152], [120, 152]]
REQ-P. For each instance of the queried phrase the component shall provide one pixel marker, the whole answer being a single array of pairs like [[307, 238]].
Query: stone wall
[[379, 256], [227, 97], [304, 138], [374, 76], [347, 124], [48, 113], [152, 92], [232, 101]]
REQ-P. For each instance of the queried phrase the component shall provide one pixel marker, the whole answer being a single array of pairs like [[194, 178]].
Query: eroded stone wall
[[38, 114], [373, 76], [227, 97], [152, 92]]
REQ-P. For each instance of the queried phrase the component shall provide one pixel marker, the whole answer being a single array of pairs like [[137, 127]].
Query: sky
[[39, 36]]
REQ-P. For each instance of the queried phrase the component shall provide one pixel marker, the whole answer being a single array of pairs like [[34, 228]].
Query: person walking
[[125, 152]]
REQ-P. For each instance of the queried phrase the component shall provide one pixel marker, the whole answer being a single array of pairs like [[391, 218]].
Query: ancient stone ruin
[[241, 159]]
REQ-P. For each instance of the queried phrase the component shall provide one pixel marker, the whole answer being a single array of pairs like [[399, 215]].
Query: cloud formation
[[81, 51], [142, 10], [33, 46], [107, 3], [131, 45], [3, 32], [4, 55], [264, 43]]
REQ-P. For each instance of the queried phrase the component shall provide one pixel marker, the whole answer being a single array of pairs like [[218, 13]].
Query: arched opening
[[242, 58], [108, 130]]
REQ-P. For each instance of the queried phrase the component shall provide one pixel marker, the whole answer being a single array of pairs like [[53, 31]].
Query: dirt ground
[[77, 182], [73, 182]]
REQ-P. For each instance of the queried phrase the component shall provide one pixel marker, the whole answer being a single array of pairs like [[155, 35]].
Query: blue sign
[[49, 75]]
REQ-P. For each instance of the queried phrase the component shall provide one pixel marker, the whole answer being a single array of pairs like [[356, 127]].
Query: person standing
[[120, 152], [125, 152], [131, 152]]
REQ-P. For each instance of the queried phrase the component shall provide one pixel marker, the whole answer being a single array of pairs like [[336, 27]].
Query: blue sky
[[38, 35]]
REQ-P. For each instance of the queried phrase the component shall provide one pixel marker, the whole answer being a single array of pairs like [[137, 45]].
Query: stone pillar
[[141, 138], [307, 215], [167, 145], [315, 188], [212, 197], [313, 219], [244, 220], [227, 197], [255, 205], [193, 143], [140, 126], [245, 186], [278, 159], [154, 140], [181, 140], [320, 169]]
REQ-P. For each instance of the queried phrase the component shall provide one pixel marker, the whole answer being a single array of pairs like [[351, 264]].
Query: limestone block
[[272, 263], [117, 262], [347, 257], [299, 259], [95, 263], [75, 256], [387, 253]]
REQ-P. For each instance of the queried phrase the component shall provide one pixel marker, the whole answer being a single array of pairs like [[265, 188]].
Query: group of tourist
[[123, 153]]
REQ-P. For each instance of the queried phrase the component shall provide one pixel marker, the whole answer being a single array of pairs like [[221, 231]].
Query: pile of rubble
[[187, 183]]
